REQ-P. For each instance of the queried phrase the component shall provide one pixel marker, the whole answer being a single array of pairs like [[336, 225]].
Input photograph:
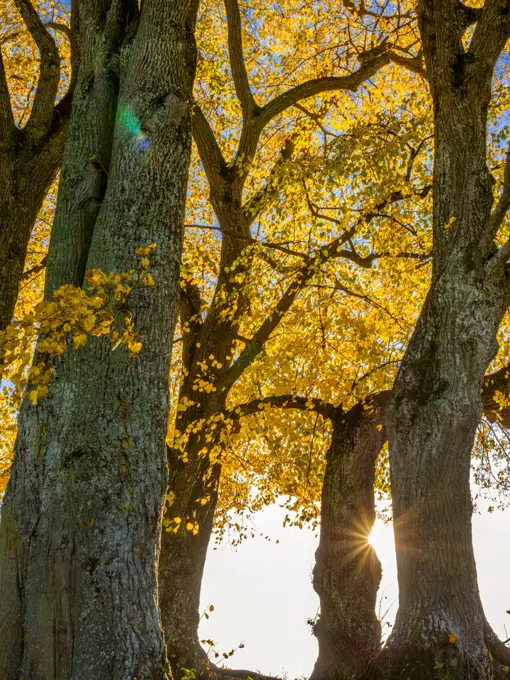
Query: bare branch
[[208, 149], [497, 217], [263, 198], [49, 72], [317, 86], [61, 28], [7, 127], [237, 62], [290, 401], [491, 33]]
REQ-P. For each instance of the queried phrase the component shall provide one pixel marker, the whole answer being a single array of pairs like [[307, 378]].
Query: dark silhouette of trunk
[[81, 517], [347, 571], [436, 407], [29, 157], [194, 461]]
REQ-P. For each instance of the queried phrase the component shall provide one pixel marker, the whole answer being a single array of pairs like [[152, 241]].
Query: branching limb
[[318, 86], [237, 61], [190, 307], [496, 220], [497, 382], [371, 62], [7, 127], [495, 646], [208, 148], [36, 269], [61, 28], [470, 15], [262, 199], [414, 64], [289, 401], [490, 36], [49, 72]]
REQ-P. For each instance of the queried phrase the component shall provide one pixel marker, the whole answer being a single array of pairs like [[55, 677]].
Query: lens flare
[[132, 124]]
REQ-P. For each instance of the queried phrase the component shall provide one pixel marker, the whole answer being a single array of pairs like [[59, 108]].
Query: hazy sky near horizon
[[262, 591]]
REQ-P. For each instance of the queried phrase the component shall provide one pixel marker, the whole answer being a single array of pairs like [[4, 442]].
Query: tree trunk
[[347, 572], [81, 517], [437, 405], [183, 556], [195, 465], [434, 417]]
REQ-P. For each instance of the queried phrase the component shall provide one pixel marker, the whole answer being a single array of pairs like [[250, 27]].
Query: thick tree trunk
[[437, 405], [347, 572], [81, 517], [435, 413]]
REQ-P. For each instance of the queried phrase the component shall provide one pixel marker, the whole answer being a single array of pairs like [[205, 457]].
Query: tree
[[347, 572], [30, 150], [436, 405], [81, 515], [215, 353]]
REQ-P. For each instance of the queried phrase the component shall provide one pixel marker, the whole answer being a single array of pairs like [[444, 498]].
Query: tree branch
[[49, 72], [491, 33], [317, 86], [237, 62], [61, 28], [414, 64], [292, 401], [7, 127], [262, 198], [378, 57], [208, 149], [35, 270], [499, 381], [496, 220]]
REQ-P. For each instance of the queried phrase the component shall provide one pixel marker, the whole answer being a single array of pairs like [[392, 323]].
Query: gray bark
[[347, 571], [437, 401], [81, 516]]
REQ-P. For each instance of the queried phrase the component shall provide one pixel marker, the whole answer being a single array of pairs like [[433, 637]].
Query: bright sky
[[262, 591]]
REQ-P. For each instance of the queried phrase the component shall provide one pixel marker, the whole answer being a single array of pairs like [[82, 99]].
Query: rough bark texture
[[436, 408], [81, 516], [347, 571]]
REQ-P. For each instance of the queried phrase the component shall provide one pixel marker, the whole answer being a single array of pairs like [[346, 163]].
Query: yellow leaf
[[452, 638], [88, 322], [134, 346], [79, 339]]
